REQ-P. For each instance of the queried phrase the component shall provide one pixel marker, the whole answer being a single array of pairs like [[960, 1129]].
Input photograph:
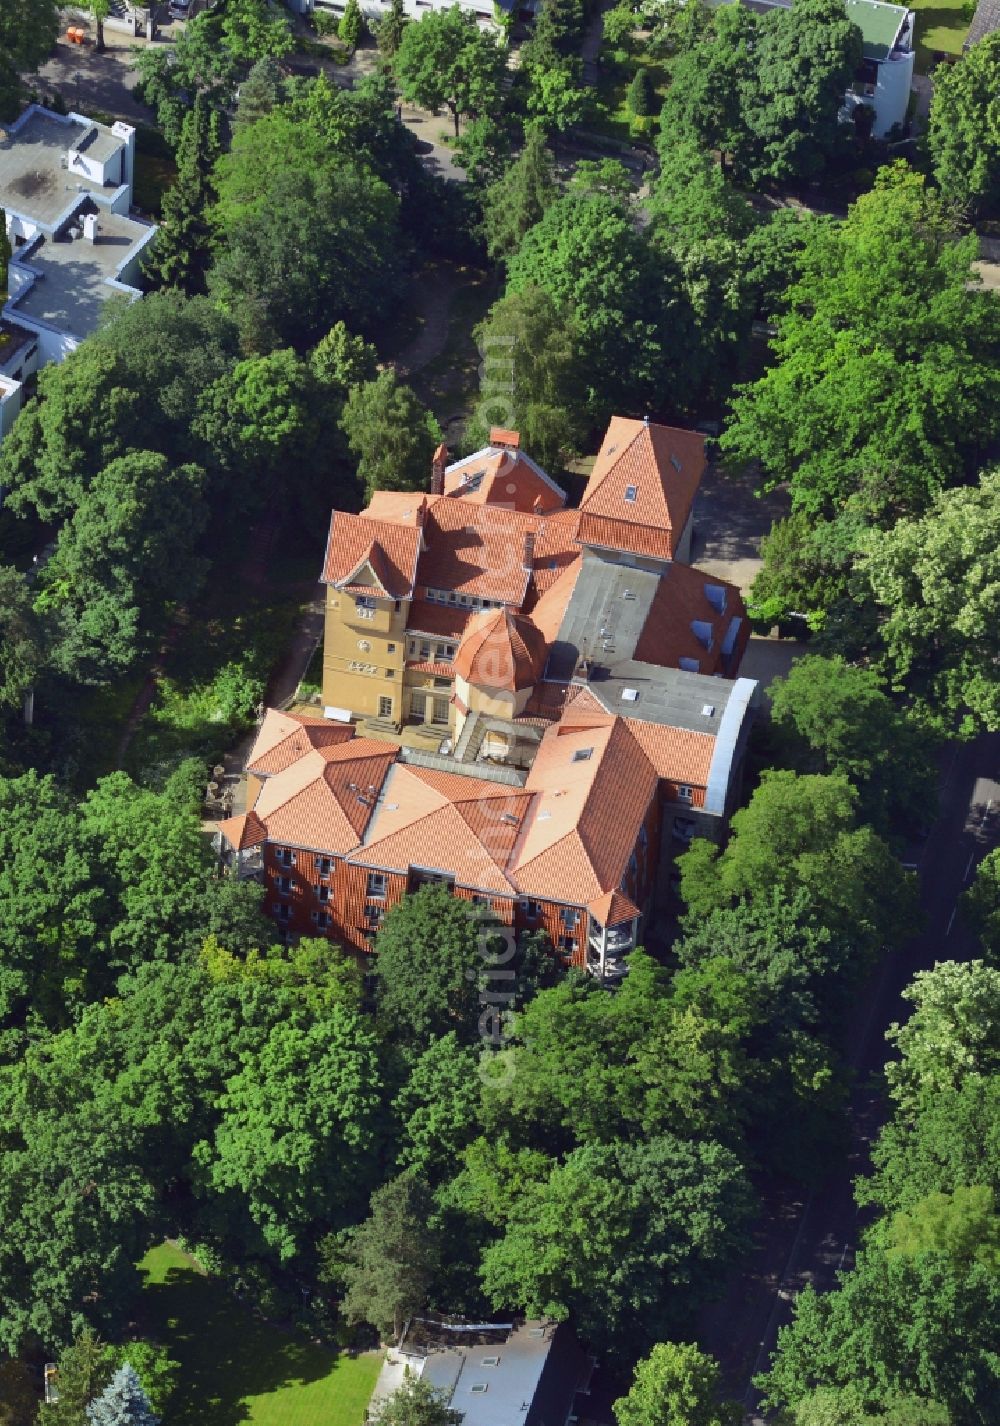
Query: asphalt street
[[808, 1240]]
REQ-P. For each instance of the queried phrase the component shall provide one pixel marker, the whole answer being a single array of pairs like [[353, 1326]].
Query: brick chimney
[[528, 557], [505, 440], [438, 463]]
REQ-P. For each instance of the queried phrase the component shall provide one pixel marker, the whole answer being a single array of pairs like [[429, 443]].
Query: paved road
[[807, 1242]]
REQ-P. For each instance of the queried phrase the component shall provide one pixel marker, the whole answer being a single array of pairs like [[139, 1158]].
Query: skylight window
[[583, 755], [630, 695], [676, 464], [478, 1387], [490, 1362], [708, 710], [631, 493]]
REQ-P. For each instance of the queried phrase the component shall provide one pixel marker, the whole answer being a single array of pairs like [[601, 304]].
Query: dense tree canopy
[[964, 130], [28, 30], [447, 60]]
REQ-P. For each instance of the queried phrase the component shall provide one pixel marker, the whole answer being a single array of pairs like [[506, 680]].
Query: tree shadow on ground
[[227, 1356]]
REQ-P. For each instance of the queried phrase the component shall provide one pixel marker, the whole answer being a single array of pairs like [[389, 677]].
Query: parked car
[[179, 9]]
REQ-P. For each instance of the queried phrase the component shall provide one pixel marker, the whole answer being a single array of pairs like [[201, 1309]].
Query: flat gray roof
[[668, 696], [72, 284], [33, 181]]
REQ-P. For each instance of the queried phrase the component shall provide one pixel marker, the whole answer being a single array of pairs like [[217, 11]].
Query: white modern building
[[66, 190], [886, 74], [489, 15]]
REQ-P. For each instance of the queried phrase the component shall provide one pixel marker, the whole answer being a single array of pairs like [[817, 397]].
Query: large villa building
[[523, 702]]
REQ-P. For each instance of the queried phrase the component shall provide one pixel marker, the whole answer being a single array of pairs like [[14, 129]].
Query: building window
[[567, 943], [285, 856], [373, 915], [321, 919], [448, 652], [364, 607], [631, 492], [425, 652], [684, 792], [440, 713], [643, 839], [284, 885], [532, 909], [385, 707], [583, 755], [325, 866], [396, 603], [569, 916], [282, 911], [452, 597], [323, 893], [633, 865], [478, 900], [442, 683], [376, 883], [390, 648]]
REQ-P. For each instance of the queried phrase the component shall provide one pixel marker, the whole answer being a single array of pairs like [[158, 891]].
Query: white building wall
[[892, 92]]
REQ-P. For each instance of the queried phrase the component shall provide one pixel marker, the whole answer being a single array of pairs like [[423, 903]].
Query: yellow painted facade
[[364, 650]]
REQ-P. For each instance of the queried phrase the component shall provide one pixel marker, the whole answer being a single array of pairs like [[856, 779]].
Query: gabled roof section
[[643, 484], [509, 478], [612, 908], [479, 550], [593, 787], [388, 549], [462, 825], [501, 650], [325, 799], [284, 737], [244, 831], [691, 618]]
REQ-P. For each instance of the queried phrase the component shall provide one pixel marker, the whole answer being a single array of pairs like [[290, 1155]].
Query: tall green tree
[[82, 1372], [964, 130], [952, 1034], [22, 643], [886, 317], [391, 27], [529, 376], [800, 835], [446, 61], [389, 1260], [679, 1384], [428, 960], [519, 198], [418, 1403], [181, 254], [932, 580], [392, 435], [352, 25], [805, 57], [28, 30], [619, 1235], [834, 717]]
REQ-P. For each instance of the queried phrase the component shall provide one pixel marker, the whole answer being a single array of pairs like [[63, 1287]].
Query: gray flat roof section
[[97, 143], [33, 181], [668, 696], [73, 274], [604, 617]]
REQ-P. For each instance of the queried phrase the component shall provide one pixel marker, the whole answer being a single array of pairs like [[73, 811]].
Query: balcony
[[616, 941]]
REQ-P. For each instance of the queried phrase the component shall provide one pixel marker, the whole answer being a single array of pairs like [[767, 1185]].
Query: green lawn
[[940, 25], [235, 1369]]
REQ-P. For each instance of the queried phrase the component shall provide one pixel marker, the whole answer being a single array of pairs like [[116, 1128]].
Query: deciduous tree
[[446, 60], [391, 433], [964, 130], [678, 1384]]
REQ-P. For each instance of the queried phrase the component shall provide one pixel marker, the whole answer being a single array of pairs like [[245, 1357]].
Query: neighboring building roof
[[501, 650], [382, 550], [880, 25], [986, 21], [283, 737], [445, 620], [642, 487], [493, 1373], [503, 477]]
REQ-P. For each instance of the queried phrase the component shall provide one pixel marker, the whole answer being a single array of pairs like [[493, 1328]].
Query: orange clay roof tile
[[389, 550], [284, 737], [501, 650], [612, 908], [645, 478], [508, 479], [244, 831], [323, 800]]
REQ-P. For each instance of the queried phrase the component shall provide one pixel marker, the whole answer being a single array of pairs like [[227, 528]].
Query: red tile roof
[[501, 650], [645, 478], [244, 831], [325, 799], [612, 908], [477, 550], [504, 478], [283, 737], [445, 620], [389, 550], [679, 605]]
